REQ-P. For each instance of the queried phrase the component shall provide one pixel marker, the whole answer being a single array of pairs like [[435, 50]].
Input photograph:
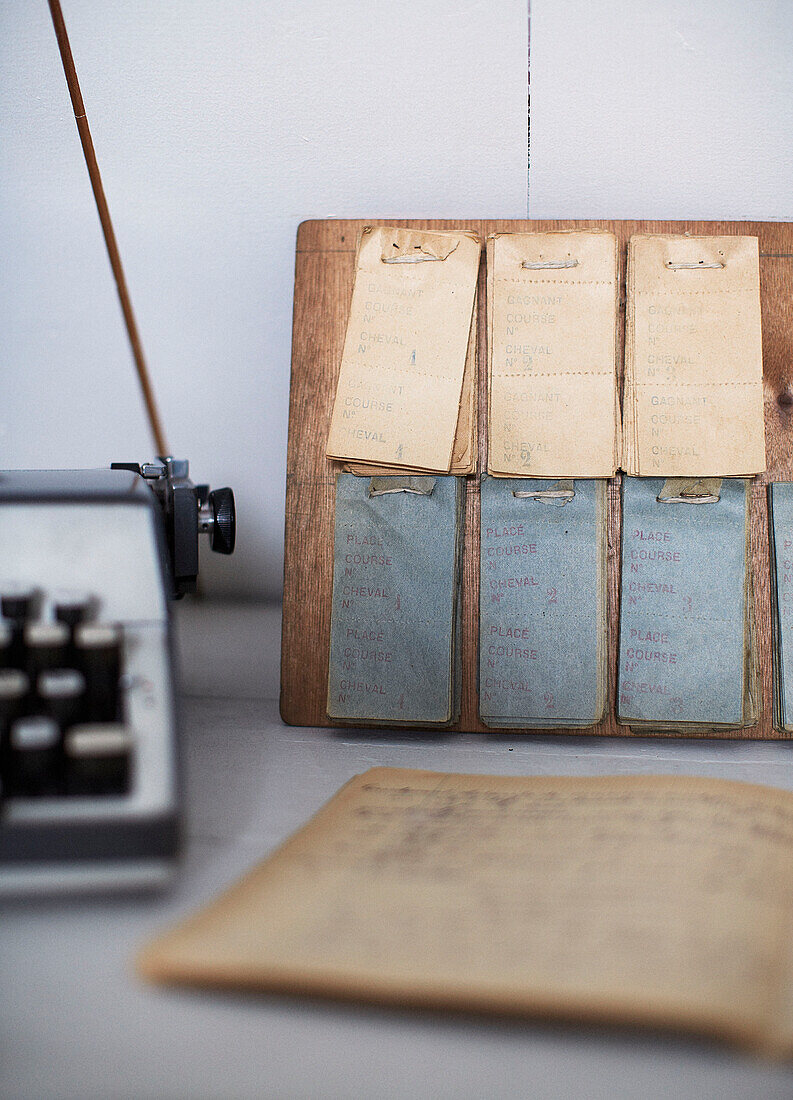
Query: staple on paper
[[413, 247], [540, 265], [698, 264], [558, 493], [690, 490], [382, 486]]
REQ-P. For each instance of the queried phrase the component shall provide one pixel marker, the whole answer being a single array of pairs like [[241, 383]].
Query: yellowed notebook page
[[464, 448], [643, 899], [400, 383], [694, 353], [553, 383]]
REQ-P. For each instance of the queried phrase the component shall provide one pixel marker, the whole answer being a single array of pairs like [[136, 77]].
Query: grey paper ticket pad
[[686, 655], [396, 608], [542, 619], [780, 524]]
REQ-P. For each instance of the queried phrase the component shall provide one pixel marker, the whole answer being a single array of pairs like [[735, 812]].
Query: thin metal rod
[[107, 226]]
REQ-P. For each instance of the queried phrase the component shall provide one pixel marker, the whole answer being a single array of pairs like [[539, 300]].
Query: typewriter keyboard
[[89, 785], [62, 724]]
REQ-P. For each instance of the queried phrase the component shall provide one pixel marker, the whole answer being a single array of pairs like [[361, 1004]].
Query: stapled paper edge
[[558, 493], [382, 486], [690, 490]]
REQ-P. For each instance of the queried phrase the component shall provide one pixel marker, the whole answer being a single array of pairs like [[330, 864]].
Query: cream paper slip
[[464, 448], [401, 382], [693, 396], [552, 381]]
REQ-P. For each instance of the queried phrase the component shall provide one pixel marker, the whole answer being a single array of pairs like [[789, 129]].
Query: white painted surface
[[76, 1022], [218, 128], [661, 109]]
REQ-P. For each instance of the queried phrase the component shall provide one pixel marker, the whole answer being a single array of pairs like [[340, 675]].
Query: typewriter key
[[98, 651], [34, 756], [45, 646], [72, 608], [17, 601], [6, 644], [98, 757], [14, 687], [62, 695]]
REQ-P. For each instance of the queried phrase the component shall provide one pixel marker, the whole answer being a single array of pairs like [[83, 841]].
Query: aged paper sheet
[[401, 378], [464, 447], [693, 400], [554, 408], [656, 900]]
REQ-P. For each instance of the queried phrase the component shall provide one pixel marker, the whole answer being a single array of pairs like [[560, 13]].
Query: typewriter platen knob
[[218, 518]]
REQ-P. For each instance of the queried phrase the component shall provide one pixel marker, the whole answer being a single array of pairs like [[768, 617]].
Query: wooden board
[[324, 269]]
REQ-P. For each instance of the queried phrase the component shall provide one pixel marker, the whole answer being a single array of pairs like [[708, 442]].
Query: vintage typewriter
[[89, 775], [89, 560]]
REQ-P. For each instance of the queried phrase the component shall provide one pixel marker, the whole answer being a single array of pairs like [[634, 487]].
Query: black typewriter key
[[45, 646], [72, 608], [61, 693], [14, 688], [34, 759], [98, 653], [6, 644], [98, 758], [17, 602]]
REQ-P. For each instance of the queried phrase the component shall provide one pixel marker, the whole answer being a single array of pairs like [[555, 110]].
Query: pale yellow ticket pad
[[464, 455], [693, 358], [401, 379], [554, 409]]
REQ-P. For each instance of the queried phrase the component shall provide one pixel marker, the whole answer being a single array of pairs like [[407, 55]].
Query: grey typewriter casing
[[101, 531]]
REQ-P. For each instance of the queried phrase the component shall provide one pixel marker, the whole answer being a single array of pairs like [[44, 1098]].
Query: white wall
[[218, 128], [660, 109]]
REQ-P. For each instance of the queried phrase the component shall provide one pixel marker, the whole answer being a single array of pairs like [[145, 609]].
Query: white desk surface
[[76, 1023]]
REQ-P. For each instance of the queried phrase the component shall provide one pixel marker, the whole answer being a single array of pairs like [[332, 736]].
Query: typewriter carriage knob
[[217, 518], [188, 511]]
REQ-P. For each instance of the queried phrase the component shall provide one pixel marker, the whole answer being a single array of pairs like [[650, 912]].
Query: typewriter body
[[89, 560], [89, 775]]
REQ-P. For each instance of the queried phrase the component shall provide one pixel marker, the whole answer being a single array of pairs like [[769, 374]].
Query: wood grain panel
[[324, 269]]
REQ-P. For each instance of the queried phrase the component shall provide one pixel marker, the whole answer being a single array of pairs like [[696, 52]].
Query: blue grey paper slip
[[542, 603], [395, 611], [780, 528], [686, 659]]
